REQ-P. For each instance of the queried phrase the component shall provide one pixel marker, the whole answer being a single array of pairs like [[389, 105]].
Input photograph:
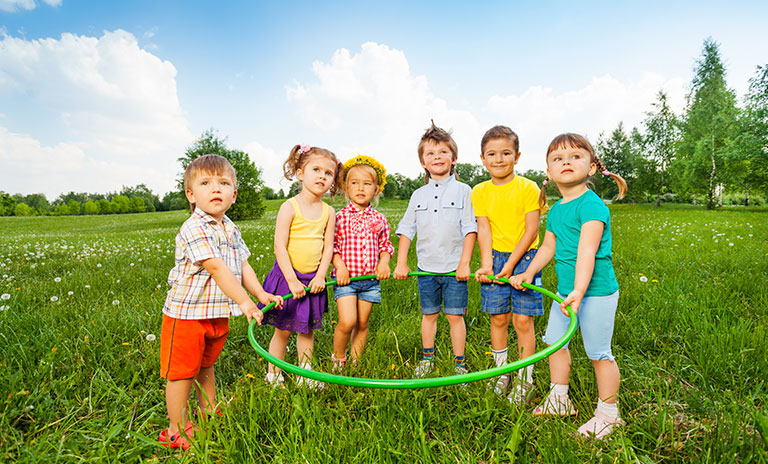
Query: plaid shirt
[[360, 237], [194, 294]]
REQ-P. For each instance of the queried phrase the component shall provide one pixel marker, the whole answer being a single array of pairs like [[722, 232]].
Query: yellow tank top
[[305, 240]]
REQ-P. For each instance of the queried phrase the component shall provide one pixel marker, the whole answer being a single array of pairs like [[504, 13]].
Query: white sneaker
[[424, 368], [310, 383], [275, 380], [459, 370], [499, 384], [521, 393]]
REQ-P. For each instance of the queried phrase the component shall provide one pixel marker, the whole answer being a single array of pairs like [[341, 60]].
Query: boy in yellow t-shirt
[[507, 210]]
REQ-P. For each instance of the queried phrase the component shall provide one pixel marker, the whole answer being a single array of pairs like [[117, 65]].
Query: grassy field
[[79, 352]]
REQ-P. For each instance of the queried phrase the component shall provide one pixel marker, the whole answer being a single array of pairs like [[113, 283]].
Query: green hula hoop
[[418, 383]]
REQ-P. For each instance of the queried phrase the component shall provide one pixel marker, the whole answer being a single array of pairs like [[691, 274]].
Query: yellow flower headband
[[367, 160]]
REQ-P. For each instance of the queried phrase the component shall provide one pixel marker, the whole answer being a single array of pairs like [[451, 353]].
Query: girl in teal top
[[578, 236]]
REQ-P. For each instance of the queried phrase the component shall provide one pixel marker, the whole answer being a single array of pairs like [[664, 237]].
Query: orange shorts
[[186, 346]]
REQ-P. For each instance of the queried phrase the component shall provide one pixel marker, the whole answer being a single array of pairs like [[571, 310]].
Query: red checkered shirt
[[360, 237]]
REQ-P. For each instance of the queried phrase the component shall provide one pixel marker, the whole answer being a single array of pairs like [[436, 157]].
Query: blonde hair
[[213, 164], [298, 158], [579, 141]]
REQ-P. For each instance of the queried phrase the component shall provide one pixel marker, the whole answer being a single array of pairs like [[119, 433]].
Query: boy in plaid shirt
[[206, 287]]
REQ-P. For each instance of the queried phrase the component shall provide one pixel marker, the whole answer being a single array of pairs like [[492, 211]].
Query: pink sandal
[[338, 363]]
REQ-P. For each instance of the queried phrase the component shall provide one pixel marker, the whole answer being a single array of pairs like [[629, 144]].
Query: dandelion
[[57, 279], [643, 278], [151, 337], [115, 302], [4, 308], [655, 281], [5, 296], [54, 299], [250, 376]]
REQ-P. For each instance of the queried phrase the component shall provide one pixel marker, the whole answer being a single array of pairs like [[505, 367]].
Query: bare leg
[[176, 399], [608, 379], [500, 330], [347, 320], [560, 367], [428, 329], [360, 333], [526, 337], [205, 386], [277, 347], [305, 345], [458, 333]]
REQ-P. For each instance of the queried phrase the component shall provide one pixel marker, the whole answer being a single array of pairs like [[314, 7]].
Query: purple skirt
[[300, 315]]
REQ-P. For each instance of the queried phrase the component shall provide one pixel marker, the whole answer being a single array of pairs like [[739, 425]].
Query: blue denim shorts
[[366, 290], [496, 298], [596, 316], [445, 292]]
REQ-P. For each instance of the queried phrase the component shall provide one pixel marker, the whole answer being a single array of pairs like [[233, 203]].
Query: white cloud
[[369, 102], [11, 6], [115, 104]]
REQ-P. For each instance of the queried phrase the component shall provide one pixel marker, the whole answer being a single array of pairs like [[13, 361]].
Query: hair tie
[[545, 182], [304, 148], [606, 172]]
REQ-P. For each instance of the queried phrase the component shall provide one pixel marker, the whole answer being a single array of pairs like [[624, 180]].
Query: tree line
[[716, 147]]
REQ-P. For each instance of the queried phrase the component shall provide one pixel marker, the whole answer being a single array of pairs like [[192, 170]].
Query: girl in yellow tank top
[[303, 251]]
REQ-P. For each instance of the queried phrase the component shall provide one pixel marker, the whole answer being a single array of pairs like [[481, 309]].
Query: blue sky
[[97, 95]]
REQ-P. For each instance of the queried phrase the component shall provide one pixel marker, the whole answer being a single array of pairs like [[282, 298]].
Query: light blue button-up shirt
[[441, 214]]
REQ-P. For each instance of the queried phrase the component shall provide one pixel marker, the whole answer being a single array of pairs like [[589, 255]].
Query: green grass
[[80, 380]]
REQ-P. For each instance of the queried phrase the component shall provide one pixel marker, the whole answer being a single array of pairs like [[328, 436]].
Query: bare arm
[[543, 257], [463, 271], [485, 242], [318, 282], [231, 287], [589, 242], [402, 270], [282, 230], [382, 269], [342, 273]]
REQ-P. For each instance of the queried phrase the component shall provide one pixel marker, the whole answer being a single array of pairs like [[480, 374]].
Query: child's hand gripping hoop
[[419, 383]]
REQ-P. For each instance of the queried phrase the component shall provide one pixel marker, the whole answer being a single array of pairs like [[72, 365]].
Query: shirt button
[[435, 197], [435, 210], [451, 203]]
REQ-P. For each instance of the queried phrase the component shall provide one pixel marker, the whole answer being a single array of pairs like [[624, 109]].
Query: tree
[[249, 204], [471, 174], [7, 204], [708, 125], [173, 201], [91, 207], [22, 209], [534, 175], [618, 156], [748, 154], [151, 201], [73, 207], [661, 133], [38, 201]]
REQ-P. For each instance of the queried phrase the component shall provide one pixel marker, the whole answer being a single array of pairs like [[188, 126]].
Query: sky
[[95, 96]]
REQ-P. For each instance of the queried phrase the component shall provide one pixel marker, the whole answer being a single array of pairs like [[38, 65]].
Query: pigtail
[[338, 179], [294, 161], [617, 178], [543, 195]]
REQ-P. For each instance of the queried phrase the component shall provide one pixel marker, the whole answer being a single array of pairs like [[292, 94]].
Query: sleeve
[[531, 197], [385, 244], [199, 244], [468, 221], [407, 225], [594, 210], [338, 236], [477, 201], [244, 251]]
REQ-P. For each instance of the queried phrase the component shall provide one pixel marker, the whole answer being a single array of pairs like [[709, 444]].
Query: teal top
[[565, 221]]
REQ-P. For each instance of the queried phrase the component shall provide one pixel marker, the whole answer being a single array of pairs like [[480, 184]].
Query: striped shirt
[[194, 294], [361, 235]]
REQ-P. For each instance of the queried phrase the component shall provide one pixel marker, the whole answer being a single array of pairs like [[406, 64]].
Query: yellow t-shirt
[[505, 206], [305, 239]]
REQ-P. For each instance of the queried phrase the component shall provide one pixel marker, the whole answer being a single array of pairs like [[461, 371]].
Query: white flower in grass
[[643, 279], [730, 244], [132, 264], [54, 298], [4, 308], [57, 279], [70, 293], [115, 302], [98, 265], [151, 337], [5, 296], [87, 286]]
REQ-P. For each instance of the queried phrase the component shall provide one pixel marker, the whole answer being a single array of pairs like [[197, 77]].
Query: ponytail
[[622, 184], [543, 195]]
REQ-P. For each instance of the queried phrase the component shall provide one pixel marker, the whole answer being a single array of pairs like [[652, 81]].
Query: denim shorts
[[596, 316], [443, 291], [366, 290], [496, 298]]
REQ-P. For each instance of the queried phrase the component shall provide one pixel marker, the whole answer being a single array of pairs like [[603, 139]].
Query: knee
[[454, 319], [522, 323], [500, 321]]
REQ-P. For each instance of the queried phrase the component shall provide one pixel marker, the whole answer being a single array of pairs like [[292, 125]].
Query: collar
[[354, 209], [442, 182], [205, 217]]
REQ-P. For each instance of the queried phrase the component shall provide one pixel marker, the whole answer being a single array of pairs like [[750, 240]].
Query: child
[[441, 214], [579, 237], [211, 265], [507, 211], [361, 246], [303, 252]]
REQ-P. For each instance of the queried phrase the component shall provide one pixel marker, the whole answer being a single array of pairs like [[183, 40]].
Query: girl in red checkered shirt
[[361, 246]]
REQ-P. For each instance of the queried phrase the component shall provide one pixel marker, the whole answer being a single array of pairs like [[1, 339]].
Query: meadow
[[80, 313]]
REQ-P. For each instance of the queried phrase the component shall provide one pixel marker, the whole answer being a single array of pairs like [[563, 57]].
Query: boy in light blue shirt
[[440, 213]]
